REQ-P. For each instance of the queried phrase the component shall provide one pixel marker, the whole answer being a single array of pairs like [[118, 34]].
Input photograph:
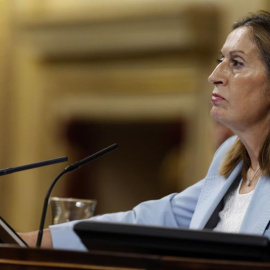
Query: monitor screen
[[8, 235]]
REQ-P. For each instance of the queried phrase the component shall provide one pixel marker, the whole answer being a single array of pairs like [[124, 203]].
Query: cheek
[[254, 85], [266, 91], [259, 79]]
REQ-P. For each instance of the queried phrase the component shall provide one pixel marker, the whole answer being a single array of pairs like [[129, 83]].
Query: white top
[[234, 210]]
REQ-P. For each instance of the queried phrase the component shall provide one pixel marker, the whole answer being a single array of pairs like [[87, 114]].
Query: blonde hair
[[238, 153], [259, 23]]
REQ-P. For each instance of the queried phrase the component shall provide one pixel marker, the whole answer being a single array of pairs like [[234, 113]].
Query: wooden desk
[[16, 258]]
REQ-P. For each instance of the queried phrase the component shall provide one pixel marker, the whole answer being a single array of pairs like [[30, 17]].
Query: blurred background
[[79, 75]]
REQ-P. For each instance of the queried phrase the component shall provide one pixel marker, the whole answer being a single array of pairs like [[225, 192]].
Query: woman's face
[[240, 100]]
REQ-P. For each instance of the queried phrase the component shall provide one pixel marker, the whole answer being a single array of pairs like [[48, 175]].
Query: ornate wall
[[112, 69]]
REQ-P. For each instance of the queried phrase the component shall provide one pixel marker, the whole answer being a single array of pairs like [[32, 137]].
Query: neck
[[253, 140], [253, 147]]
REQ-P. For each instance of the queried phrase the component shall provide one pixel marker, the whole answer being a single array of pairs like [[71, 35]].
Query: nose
[[219, 75]]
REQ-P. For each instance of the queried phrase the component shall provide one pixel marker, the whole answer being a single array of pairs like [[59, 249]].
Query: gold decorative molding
[[125, 80], [177, 29]]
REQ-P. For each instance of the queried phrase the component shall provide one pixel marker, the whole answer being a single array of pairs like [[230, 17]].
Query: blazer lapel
[[213, 192], [258, 212]]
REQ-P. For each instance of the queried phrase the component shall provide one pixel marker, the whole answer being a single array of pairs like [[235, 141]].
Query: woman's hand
[[30, 238]]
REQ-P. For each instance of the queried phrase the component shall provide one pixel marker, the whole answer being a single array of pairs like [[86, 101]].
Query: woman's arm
[[31, 238]]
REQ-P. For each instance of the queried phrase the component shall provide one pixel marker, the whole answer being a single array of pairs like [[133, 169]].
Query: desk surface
[[14, 258]]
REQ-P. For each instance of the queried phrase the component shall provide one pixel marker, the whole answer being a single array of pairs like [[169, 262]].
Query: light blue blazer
[[197, 207]]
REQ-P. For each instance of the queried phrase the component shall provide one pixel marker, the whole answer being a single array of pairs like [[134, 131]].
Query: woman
[[234, 195]]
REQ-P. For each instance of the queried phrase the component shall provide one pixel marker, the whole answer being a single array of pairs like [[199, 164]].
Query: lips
[[216, 97]]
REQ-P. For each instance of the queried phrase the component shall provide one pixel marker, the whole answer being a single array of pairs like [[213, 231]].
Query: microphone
[[33, 165], [68, 169]]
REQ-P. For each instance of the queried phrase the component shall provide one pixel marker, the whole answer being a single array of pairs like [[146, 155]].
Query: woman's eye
[[236, 63], [233, 62]]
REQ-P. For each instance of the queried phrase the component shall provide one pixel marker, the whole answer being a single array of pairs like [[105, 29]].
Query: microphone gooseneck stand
[[32, 166], [68, 169]]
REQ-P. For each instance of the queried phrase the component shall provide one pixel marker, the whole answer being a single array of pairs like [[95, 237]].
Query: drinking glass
[[68, 209]]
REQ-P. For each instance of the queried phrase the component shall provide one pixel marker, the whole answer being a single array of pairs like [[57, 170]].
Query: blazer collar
[[213, 192], [258, 213]]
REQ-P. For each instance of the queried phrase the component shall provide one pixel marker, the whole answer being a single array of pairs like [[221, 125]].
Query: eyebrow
[[233, 52]]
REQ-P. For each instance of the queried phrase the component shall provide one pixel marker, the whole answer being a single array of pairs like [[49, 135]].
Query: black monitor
[[171, 241]]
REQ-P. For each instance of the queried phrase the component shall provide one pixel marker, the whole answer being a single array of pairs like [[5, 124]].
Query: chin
[[214, 114], [217, 115]]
